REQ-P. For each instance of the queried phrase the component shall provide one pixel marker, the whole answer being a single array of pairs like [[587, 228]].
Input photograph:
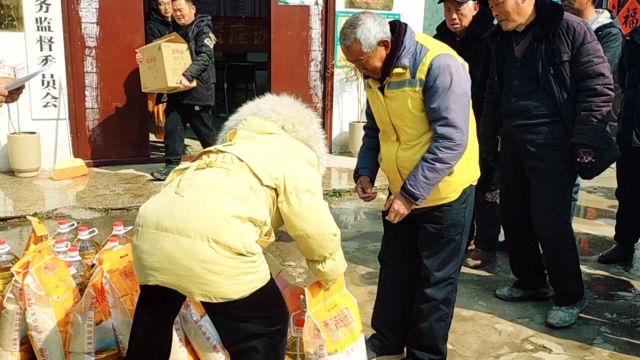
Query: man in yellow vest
[[421, 131]]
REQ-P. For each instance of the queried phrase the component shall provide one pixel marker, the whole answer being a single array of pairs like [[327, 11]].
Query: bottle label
[[88, 256], [5, 278]]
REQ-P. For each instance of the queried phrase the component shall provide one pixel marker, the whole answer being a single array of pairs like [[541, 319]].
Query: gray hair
[[367, 28]]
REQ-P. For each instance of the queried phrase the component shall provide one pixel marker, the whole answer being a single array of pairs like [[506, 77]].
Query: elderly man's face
[[368, 63], [576, 7], [183, 13], [459, 15], [165, 8], [511, 14]]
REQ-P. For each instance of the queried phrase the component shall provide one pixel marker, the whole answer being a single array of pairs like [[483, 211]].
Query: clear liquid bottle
[[7, 260], [87, 247], [60, 248], [295, 348], [77, 267], [65, 230], [120, 231]]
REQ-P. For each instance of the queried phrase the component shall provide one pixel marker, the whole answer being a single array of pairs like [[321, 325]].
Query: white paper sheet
[[23, 80]]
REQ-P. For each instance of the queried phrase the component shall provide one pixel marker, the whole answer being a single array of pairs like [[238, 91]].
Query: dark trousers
[[628, 195], [420, 260], [486, 215], [252, 328], [178, 115], [536, 180]]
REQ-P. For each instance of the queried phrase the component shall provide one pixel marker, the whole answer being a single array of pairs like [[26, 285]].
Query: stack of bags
[[45, 315]]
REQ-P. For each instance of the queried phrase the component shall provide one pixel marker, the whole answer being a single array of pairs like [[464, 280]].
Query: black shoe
[[616, 255], [375, 355], [162, 174]]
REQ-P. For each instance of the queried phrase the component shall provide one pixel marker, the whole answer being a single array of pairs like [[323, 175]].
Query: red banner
[[628, 12]]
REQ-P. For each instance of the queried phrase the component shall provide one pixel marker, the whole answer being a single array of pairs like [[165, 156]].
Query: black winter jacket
[[156, 26], [629, 121], [610, 36], [199, 35], [473, 47], [571, 67]]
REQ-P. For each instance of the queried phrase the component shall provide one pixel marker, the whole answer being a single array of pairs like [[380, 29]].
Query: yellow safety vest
[[405, 134]]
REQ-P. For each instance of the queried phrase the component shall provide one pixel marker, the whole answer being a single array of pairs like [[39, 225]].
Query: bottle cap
[[4, 247], [73, 254], [84, 232], [113, 241], [60, 245], [119, 225], [299, 323]]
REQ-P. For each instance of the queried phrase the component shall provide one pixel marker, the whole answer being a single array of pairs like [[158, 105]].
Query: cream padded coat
[[204, 233]]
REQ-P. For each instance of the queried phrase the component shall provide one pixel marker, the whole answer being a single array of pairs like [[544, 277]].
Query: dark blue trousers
[[628, 194], [178, 115], [420, 260], [537, 176]]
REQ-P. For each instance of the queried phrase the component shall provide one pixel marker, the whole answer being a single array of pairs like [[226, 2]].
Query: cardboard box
[[164, 61]]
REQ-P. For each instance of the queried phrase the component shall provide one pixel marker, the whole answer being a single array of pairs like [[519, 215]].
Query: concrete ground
[[483, 327]]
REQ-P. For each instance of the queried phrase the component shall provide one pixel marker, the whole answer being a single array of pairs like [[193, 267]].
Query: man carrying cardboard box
[[194, 101]]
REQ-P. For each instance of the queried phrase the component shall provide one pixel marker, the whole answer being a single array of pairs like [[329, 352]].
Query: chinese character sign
[[45, 45], [627, 11]]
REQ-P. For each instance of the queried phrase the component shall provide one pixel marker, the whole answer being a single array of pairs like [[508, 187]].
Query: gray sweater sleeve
[[447, 101]]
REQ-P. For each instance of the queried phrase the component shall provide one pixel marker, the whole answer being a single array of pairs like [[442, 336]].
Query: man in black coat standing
[[628, 165], [548, 97], [466, 30], [193, 103]]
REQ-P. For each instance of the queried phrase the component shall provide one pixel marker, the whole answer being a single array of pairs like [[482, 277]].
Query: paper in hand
[[23, 80]]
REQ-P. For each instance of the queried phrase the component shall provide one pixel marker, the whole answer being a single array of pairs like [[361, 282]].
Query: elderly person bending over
[[203, 235]]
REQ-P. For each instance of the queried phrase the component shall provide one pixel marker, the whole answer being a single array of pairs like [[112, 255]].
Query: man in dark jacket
[[158, 23], [628, 165], [194, 103], [608, 31], [466, 29], [548, 95]]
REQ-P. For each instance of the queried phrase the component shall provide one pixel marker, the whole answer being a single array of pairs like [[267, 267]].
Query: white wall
[[345, 100], [54, 132]]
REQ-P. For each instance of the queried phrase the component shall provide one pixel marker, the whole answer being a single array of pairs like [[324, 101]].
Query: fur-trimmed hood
[[288, 113]]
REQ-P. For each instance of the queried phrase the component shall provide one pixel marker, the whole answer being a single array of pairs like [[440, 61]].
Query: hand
[[186, 84], [7, 96], [139, 57], [364, 188], [399, 207]]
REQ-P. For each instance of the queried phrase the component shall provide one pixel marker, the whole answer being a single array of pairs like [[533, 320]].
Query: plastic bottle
[[120, 231], [65, 230], [295, 348], [7, 260], [60, 247], [77, 267], [113, 242], [87, 248]]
